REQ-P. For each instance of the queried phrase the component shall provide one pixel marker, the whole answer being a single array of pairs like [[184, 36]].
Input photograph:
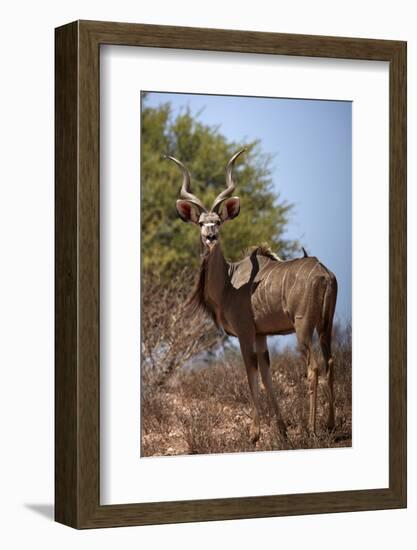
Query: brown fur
[[197, 302], [262, 250]]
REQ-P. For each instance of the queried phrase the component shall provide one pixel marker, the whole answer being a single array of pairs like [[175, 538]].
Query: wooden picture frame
[[77, 373]]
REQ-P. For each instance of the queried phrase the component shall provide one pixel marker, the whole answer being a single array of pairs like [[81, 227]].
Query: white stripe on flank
[[266, 289], [309, 275]]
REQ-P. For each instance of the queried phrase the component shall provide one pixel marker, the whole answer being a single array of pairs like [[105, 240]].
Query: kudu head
[[225, 207]]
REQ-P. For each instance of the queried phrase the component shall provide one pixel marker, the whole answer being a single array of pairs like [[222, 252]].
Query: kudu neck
[[217, 272]]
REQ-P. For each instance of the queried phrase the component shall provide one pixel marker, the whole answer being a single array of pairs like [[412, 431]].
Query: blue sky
[[311, 144]]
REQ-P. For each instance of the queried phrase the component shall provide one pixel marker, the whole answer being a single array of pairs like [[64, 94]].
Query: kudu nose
[[211, 237]]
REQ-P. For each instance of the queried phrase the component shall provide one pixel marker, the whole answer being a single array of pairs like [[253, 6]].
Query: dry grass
[[207, 409], [169, 337]]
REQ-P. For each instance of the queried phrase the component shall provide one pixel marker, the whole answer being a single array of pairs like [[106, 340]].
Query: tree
[[168, 244]]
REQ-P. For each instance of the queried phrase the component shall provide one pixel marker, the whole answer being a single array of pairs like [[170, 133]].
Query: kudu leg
[[304, 337], [312, 378], [249, 358], [325, 344], [264, 365]]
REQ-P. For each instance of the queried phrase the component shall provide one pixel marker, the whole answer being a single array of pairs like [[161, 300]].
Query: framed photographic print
[[230, 274]]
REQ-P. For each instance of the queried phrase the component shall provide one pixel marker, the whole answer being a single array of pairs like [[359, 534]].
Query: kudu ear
[[230, 209], [187, 211]]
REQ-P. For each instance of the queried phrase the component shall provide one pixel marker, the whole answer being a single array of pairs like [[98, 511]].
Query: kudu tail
[[329, 305], [325, 336], [325, 327]]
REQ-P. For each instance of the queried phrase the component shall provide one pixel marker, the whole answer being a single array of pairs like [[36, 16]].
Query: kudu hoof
[[254, 434], [282, 429], [330, 425]]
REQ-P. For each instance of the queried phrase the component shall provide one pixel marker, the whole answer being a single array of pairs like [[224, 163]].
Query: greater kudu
[[262, 295]]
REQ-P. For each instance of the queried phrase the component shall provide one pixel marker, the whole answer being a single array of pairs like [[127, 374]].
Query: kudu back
[[260, 296]]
